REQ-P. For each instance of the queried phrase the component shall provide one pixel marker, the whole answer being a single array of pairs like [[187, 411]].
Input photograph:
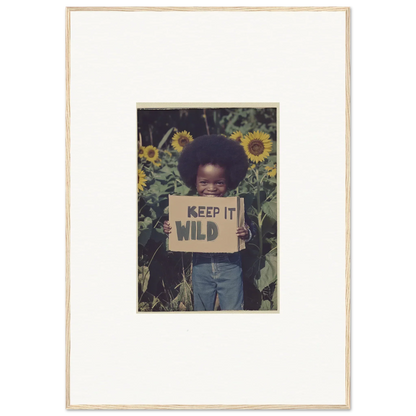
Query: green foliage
[[250, 119], [165, 278]]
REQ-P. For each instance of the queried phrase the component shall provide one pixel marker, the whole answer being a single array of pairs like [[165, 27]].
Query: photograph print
[[208, 209]]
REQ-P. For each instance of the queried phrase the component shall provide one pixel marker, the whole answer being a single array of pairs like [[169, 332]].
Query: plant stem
[[183, 268], [154, 254], [140, 210], [270, 196], [259, 219], [206, 121], [261, 181], [151, 134], [140, 286], [158, 221]]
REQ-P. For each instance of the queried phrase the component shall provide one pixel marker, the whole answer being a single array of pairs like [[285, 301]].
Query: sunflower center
[[151, 153], [256, 147], [183, 141]]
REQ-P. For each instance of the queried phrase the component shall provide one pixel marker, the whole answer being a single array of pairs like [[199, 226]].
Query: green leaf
[[266, 305], [167, 170], [270, 182], [144, 236], [152, 213], [161, 177], [165, 189], [274, 300], [182, 190], [158, 235], [245, 187], [268, 226], [145, 231], [268, 273], [272, 241], [272, 159], [165, 137], [270, 208], [143, 276], [175, 171]]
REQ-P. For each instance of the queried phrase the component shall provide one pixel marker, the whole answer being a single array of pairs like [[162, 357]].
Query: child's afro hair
[[216, 150]]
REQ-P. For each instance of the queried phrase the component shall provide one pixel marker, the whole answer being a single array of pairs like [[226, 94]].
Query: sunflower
[[156, 162], [181, 139], [151, 153], [141, 180], [271, 171], [257, 146], [140, 151], [237, 136]]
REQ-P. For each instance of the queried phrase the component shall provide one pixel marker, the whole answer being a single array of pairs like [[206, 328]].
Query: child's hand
[[167, 229], [242, 232]]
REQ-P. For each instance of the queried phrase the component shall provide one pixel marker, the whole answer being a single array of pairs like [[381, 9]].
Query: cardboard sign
[[205, 225]]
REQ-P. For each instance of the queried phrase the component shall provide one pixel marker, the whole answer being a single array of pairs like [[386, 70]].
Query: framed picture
[[208, 208]]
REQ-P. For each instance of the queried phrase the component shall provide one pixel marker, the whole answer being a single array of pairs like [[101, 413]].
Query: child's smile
[[211, 181]]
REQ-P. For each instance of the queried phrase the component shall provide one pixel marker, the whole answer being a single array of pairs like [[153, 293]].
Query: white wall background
[[120, 58]]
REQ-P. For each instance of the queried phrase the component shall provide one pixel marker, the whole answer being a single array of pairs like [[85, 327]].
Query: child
[[212, 165]]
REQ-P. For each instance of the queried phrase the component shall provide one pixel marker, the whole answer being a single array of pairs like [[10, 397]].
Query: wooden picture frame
[[310, 345]]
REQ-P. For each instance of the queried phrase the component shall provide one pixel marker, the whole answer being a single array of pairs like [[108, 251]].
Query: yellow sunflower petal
[[156, 162], [141, 180], [257, 146], [272, 172], [181, 139], [151, 153], [237, 136], [140, 151]]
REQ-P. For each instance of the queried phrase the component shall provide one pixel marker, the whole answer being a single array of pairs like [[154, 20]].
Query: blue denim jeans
[[220, 273]]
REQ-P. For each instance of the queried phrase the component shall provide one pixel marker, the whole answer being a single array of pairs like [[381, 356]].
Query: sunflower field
[[165, 278]]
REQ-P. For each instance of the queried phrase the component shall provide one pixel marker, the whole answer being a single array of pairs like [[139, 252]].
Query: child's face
[[211, 181]]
